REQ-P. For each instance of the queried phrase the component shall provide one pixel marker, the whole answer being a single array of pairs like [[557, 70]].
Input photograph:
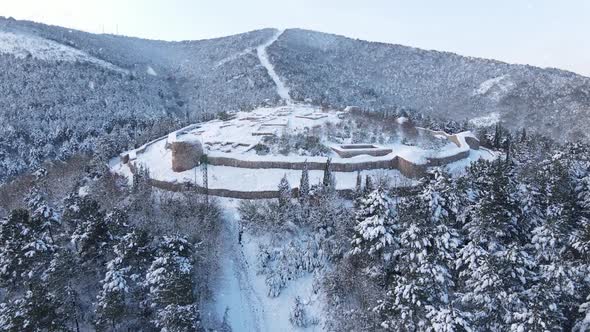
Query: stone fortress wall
[[405, 167]]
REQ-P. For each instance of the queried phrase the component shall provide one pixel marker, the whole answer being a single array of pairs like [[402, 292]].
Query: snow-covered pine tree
[[376, 224], [36, 310], [422, 296], [328, 179], [179, 318], [134, 250], [498, 136], [369, 187], [299, 317], [557, 240], [304, 184], [539, 311], [169, 279], [141, 190], [225, 326], [58, 277], [284, 189], [358, 187], [494, 264], [25, 247], [141, 179], [91, 233], [110, 306]]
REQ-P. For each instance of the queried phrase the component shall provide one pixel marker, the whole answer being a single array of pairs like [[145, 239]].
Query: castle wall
[[405, 167]]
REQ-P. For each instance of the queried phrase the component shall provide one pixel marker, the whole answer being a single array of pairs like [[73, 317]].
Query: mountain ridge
[[417, 48]]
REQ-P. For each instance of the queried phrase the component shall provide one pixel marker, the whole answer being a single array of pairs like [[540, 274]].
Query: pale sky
[[545, 33]]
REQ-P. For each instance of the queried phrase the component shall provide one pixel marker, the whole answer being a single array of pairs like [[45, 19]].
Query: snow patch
[[495, 87], [486, 120], [151, 71], [402, 120], [485, 86], [23, 46], [233, 57]]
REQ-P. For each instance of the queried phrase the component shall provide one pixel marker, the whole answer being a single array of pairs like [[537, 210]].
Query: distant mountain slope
[[343, 71], [64, 91], [211, 75]]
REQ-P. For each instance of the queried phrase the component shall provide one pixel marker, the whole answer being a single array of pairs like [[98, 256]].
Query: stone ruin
[[186, 154]]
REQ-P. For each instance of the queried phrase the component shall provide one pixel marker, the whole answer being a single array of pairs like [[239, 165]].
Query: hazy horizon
[[539, 33]]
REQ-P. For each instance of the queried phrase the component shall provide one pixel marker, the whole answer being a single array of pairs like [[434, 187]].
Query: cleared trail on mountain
[[282, 89]]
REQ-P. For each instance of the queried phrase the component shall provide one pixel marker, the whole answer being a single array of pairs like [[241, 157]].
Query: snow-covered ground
[[459, 167], [242, 129], [23, 45], [282, 89]]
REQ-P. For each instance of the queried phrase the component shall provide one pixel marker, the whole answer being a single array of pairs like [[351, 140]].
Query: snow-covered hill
[[182, 82]]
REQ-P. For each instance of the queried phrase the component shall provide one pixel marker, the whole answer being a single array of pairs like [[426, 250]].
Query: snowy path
[[282, 90], [234, 287], [244, 293]]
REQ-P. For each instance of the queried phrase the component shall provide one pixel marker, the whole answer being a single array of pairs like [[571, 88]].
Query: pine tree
[[225, 326], [299, 317], [557, 239], [422, 296], [495, 266], [284, 192], [327, 180], [358, 187], [91, 233], [141, 190], [375, 224], [369, 187], [304, 184], [141, 179], [169, 279], [25, 247], [498, 136], [110, 307], [36, 310], [62, 269], [132, 255], [179, 318], [539, 311]]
